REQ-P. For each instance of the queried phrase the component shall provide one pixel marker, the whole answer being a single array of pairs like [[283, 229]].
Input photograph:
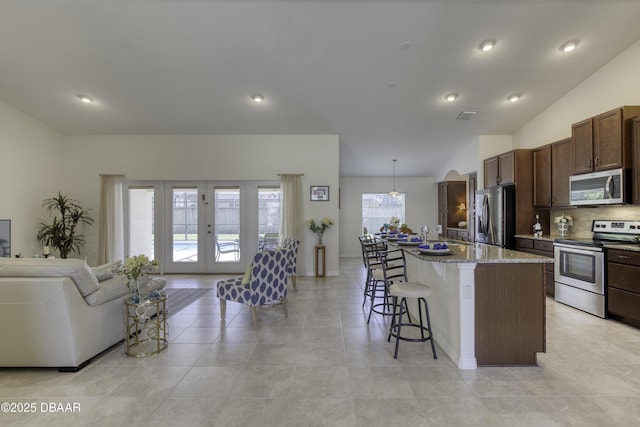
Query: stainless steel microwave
[[599, 188]]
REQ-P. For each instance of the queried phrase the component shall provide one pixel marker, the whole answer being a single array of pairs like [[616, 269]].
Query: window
[[378, 208], [141, 221]]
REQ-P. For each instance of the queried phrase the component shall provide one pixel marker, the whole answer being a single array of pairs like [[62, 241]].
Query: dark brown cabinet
[[605, 141], [635, 186], [552, 167], [623, 286], [582, 135], [458, 234], [542, 173], [544, 248], [510, 314], [561, 169], [450, 195], [500, 170]]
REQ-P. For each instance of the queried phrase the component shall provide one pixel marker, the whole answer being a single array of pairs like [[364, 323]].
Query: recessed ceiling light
[[257, 97], [487, 45], [514, 97], [569, 46], [451, 97], [85, 98]]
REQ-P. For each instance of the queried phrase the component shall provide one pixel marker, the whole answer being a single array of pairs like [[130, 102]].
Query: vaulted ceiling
[[374, 72]]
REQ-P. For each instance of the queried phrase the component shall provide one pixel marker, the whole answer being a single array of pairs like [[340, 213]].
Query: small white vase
[[563, 228]]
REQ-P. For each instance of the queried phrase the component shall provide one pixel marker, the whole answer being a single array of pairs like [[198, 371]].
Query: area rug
[[179, 298]]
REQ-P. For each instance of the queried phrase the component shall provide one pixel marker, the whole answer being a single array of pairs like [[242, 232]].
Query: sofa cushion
[[109, 290], [77, 269], [106, 271]]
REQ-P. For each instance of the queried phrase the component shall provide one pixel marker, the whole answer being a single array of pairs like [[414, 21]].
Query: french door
[[202, 227], [205, 227]]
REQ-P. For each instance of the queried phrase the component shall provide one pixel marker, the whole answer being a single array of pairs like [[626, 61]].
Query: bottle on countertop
[[537, 227]]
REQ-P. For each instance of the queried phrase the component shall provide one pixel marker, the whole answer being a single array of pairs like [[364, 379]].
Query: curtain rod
[[295, 174], [111, 174]]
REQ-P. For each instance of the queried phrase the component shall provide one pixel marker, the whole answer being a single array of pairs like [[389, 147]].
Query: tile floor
[[324, 366]]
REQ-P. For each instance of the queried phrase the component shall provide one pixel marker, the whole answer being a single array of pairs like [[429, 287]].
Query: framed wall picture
[[319, 193]]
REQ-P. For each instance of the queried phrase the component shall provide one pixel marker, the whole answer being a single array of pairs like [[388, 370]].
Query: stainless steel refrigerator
[[496, 216]]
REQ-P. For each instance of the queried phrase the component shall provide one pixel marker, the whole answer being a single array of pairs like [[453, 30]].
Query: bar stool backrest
[[394, 266], [371, 253]]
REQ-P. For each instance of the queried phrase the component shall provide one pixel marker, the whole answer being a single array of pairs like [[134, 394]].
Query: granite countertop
[[629, 247], [477, 253], [634, 248]]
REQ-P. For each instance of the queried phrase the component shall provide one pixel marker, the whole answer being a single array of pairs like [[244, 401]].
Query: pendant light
[[394, 193]]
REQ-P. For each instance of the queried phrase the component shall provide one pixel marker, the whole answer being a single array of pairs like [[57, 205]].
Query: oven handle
[[579, 249]]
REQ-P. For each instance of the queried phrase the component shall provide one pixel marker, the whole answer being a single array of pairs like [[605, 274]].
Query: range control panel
[[617, 227]]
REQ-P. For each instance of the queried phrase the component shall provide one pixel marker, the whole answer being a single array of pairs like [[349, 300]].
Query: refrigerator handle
[[485, 216]]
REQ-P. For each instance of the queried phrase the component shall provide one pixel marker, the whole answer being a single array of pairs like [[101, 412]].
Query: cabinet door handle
[[589, 162], [624, 257], [597, 162]]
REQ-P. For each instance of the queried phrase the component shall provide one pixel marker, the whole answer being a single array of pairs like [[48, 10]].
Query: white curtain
[[292, 221], [111, 232]]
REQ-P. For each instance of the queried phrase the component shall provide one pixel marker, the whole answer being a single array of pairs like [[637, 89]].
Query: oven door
[[580, 267]]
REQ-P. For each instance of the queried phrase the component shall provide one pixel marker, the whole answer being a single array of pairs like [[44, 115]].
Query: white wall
[[31, 170], [421, 205], [614, 85], [211, 157]]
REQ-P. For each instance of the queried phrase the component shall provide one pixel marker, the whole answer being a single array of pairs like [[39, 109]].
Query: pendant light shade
[[394, 193]]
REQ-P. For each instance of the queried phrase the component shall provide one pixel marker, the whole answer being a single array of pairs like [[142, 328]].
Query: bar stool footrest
[[394, 332]]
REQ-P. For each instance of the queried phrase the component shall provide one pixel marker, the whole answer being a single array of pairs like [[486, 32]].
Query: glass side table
[[146, 328]]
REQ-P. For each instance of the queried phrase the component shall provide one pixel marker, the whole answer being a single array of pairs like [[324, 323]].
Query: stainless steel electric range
[[580, 264]]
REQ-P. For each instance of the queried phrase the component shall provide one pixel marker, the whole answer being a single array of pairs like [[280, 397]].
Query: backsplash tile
[[583, 218]]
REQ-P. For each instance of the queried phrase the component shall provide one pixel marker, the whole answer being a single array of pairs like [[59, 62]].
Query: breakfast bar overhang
[[488, 303]]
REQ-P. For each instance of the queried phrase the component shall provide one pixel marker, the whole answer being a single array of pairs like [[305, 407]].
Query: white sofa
[[57, 313]]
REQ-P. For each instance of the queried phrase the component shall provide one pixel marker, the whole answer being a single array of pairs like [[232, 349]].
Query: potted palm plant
[[62, 233]]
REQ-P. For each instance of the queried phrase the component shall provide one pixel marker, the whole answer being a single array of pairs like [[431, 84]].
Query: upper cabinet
[[561, 169], [552, 167], [635, 185], [604, 141], [542, 174], [516, 167], [499, 170]]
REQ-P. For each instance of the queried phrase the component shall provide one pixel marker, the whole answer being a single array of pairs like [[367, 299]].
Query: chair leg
[[284, 307], [293, 283], [254, 317], [403, 305], [393, 318], [433, 346], [223, 308]]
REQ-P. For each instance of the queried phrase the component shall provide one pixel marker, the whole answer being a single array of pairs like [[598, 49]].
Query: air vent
[[466, 115]]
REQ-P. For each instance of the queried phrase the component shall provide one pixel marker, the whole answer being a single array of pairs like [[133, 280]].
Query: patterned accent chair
[[292, 245], [264, 283]]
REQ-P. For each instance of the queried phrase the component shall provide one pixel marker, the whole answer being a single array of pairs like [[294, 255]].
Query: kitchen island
[[488, 303]]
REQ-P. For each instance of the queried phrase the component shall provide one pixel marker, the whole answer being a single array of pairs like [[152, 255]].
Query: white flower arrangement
[[564, 219], [136, 267], [319, 228], [395, 221]]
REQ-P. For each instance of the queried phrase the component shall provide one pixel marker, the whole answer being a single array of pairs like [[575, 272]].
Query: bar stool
[[393, 270], [404, 290], [371, 250]]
